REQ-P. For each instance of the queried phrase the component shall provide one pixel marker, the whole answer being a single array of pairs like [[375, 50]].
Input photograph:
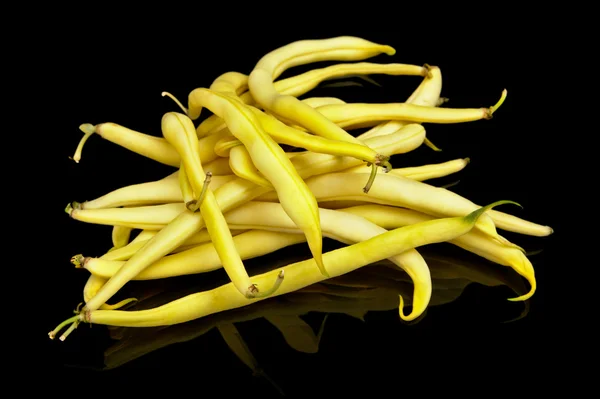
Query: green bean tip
[[78, 260], [473, 216], [87, 128], [427, 71], [69, 208], [172, 97]]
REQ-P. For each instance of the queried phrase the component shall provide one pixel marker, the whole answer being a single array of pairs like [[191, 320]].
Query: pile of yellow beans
[[236, 194]]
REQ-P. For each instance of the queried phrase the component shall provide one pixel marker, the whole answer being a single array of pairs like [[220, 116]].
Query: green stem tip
[[202, 195], [495, 107], [253, 291], [371, 180], [172, 97], [78, 260], [473, 216], [429, 144], [70, 320]]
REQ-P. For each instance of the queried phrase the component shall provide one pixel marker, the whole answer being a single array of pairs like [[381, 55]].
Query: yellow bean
[[120, 236], [126, 252], [155, 148], [419, 196], [421, 173], [237, 81], [225, 144], [363, 114]]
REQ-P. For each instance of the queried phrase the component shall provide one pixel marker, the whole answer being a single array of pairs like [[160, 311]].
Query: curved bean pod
[[155, 148], [120, 236], [126, 252], [357, 115], [474, 241]]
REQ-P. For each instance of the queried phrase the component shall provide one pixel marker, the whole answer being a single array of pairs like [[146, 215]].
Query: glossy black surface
[[469, 319]]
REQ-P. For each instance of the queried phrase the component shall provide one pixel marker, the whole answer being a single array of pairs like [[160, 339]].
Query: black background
[[110, 74]]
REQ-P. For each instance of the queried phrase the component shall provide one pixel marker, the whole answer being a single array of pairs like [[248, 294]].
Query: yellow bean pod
[[419, 196], [120, 236], [358, 115], [152, 147]]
